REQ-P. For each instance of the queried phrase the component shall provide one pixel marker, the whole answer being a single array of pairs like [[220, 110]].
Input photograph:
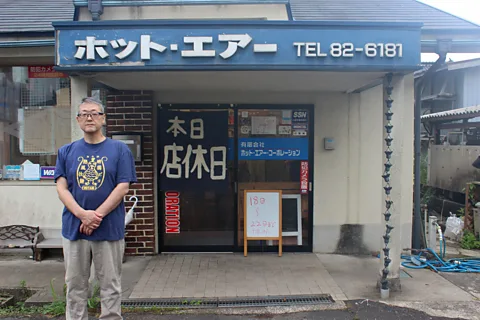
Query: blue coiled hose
[[437, 264]]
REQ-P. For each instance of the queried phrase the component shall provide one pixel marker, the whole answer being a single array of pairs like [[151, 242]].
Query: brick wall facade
[[132, 111]]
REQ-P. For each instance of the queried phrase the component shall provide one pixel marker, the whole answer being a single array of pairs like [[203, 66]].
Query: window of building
[[35, 114]]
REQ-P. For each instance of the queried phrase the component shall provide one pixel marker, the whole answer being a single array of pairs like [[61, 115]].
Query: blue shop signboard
[[273, 149], [236, 45], [194, 153]]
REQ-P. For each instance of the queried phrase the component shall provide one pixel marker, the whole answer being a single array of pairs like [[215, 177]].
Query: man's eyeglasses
[[94, 115]]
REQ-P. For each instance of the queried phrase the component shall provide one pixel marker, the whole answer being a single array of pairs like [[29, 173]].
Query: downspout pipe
[[419, 87], [96, 9]]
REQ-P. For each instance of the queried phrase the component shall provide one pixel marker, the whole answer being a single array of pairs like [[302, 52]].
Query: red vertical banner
[[172, 212], [304, 177]]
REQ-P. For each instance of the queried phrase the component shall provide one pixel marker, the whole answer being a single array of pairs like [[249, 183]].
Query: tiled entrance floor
[[233, 275]]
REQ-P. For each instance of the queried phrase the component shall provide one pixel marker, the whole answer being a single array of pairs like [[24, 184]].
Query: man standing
[[93, 175]]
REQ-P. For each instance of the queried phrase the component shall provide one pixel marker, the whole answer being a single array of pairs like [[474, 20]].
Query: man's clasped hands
[[91, 220]]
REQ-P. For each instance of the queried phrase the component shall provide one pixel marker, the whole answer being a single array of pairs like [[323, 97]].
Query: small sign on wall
[[300, 123], [44, 72], [11, 172], [273, 148], [47, 173], [304, 177], [264, 125]]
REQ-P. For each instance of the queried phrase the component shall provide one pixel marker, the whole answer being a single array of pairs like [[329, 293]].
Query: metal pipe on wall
[[419, 87], [417, 150]]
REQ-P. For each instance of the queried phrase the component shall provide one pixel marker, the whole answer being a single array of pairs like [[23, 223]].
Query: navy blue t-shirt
[[92, 172]]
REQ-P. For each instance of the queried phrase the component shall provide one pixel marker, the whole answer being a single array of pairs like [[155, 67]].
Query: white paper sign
[[264, 125], [31, 171], [262, 214]]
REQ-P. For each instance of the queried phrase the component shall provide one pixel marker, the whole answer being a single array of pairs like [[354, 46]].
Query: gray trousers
[[107, 259]]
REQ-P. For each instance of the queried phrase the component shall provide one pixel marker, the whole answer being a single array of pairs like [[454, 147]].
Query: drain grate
[[172, 303], [239, 302], [275, 301]]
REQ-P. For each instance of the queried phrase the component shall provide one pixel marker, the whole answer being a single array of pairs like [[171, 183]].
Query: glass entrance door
[[275, 153], [209, 154], [196, 178]]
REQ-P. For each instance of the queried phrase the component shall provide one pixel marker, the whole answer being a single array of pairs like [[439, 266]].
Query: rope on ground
[[428, 258]]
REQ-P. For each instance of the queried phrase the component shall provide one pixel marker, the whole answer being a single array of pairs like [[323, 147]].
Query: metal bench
[[50, 239], [20, 237]]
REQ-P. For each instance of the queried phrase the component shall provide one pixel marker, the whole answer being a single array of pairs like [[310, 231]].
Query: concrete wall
[[451, 166], [348, 185], [471, 83], [190, 12], [30, 203]]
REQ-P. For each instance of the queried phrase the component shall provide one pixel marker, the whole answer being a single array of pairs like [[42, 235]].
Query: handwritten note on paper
[[264, 125], [262, 214]]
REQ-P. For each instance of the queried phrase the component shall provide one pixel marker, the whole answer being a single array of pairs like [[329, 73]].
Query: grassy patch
[[54, 309], [20, 310], [58, 306]]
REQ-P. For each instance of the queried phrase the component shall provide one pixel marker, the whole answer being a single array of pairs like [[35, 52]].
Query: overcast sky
[[466, 9]]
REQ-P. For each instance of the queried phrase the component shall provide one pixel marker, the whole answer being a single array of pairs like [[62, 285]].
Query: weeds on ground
[[20, 309], [94, 301], [192, 303], [469, 241], [56, 308], [24, 289]]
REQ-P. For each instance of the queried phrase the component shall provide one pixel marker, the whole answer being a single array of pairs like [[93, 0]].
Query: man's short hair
[[94, 101]]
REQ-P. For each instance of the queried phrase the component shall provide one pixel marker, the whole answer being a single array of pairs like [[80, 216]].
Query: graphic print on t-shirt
[[91, 172]]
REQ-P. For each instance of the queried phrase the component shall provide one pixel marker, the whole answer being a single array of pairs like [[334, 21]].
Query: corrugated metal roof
[[36, 16], [111, 3], [377, 10], [350, 10], [33, 15], [470, 112], [465, 64]]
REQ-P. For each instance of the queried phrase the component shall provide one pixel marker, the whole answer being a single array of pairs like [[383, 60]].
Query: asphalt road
[[355, 311]]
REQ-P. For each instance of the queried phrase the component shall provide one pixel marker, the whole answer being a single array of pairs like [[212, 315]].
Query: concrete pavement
[[233, 275], [357, 277], [448, 295], [452, 295], [17, 266]]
